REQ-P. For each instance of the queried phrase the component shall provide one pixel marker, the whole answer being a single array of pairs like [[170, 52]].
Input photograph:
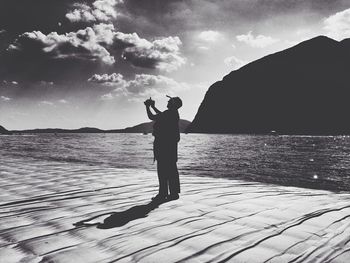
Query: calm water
[[307, 161]]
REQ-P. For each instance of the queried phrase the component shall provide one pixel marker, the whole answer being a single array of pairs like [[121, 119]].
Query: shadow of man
[[118, 219]]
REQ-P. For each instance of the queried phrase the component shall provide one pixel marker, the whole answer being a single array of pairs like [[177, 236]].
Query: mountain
[[4, 131], [146, 127], [56, 130], [301, 90]]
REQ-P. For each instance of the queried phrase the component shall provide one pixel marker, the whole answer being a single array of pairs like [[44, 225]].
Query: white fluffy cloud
[[105, 78], [259, 41], [338, 25], [142, 86], [101, 42], [163, 54], [209, 36], [234, 62], [98, 43], [89, 43], [100, 11]]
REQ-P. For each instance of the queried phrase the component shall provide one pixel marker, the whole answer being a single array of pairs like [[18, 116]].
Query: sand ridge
[[65, 212]]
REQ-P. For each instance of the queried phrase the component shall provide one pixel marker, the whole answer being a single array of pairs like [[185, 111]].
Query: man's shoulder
[[173, 114], [166, 113]]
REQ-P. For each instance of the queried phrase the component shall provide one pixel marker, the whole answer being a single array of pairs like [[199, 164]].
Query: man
[[166, 137]]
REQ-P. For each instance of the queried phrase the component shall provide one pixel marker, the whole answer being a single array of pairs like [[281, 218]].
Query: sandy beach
[[61, 212]]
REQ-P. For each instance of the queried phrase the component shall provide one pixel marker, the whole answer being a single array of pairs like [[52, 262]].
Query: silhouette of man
[[166, 137]]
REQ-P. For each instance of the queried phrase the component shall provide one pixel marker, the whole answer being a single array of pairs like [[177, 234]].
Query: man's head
[[174, 103]]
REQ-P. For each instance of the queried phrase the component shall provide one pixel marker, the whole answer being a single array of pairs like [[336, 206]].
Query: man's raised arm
[[150, 115], [150, 103], [154, 107]]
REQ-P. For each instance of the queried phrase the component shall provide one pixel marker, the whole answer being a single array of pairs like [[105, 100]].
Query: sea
[[319, 162]]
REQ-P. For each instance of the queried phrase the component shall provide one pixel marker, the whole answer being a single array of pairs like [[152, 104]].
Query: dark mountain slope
[[4, 131], [301, 90]]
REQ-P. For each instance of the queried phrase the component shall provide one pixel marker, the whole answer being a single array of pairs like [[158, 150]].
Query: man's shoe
[[159, 198], [172, 197]]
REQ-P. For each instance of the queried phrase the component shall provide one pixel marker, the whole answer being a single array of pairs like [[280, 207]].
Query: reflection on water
[[307, 161]]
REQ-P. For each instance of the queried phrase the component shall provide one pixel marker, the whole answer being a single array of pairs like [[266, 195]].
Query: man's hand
[[152, 103], [149, 102]]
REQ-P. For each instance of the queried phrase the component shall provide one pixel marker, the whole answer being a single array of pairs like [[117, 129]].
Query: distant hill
[[4, 131], [56, 130], [146, 127], [302, 90]]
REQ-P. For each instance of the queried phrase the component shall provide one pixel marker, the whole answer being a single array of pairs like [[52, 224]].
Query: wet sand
[[64, 212]]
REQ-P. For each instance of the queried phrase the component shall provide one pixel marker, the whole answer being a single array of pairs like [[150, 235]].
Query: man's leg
[[174, 180], [162, 178]]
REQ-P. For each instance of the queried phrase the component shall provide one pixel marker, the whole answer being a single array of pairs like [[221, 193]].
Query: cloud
[[114, 79], [209, 36], [234, 62], [13, 82], [3, 98], [205, 39], [259, 41], [100, 11], [163, 54], [338, 25], [143, 85], [63, 101], [108, 96], [101, 43], [203, 48], [46, 103], [86, 44], [46, 83]]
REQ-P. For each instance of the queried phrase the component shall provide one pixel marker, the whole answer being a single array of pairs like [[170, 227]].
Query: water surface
[[306, 161]]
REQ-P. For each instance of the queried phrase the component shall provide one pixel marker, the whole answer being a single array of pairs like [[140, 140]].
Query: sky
[[92, 63]]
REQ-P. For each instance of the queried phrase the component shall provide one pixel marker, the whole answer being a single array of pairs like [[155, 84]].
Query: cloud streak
[[4, 98], [46, 103], [259, 41]]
